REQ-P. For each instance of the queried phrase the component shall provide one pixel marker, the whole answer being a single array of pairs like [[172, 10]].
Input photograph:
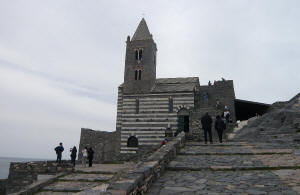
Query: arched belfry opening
[[132, 142], [183, 120]]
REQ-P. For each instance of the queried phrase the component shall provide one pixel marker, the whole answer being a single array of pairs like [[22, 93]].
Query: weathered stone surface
[[70, 186]]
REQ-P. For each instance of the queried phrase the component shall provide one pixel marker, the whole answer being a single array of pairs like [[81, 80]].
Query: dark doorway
[[183, 123], [132, 142]]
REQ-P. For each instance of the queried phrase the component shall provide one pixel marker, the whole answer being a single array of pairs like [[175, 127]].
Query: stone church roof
[[142, 32], [169, 85], [175, 84]]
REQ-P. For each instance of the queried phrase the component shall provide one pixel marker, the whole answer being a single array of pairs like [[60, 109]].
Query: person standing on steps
[[206, 122], [84, 156], [59, 149], [220, 126], [73, 155], [90, 156]]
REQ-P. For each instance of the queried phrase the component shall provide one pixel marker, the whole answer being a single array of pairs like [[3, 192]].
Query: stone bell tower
[[140, 61]]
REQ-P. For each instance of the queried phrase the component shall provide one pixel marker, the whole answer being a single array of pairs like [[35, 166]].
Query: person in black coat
[[73, 155], [206, 122], [220, 126], [90, 156], [59, 149]]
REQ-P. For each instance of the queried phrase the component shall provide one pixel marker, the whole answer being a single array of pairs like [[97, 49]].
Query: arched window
[[138, 74], [138, 54], [170, 104], [132, 142], [137, 105]]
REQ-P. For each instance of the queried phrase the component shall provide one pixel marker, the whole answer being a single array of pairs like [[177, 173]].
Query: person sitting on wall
[[164, 141], [59, 149], [206, 122], [218, 106], [209, 83], [223, 79]]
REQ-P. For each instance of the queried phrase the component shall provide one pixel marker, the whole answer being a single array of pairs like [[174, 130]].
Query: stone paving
[[87, 180], [231, 168]]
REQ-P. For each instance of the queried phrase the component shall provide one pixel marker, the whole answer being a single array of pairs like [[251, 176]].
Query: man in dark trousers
[[59, 149], [206, 122], [220, 126], [73, 155], [90, 156]]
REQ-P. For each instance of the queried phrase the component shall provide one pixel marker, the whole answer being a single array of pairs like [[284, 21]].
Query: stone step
[[216, 144], [71, 186], [87, 177], [260, 182], [234, 162], [230, 150]]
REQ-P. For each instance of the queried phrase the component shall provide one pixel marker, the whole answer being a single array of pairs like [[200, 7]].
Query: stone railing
[[146, 172], [22, 174]]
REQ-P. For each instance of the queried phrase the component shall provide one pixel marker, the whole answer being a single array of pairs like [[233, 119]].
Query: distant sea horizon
[[5, 162]]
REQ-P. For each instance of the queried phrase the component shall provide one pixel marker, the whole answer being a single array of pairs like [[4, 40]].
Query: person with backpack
[[206, 122], [59, 149], [220, 126]]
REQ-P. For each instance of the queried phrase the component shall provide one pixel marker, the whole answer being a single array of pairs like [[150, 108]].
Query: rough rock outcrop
[[280, 124]]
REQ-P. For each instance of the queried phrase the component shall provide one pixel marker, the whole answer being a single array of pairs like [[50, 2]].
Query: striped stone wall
[[149, 125], [119, 108]]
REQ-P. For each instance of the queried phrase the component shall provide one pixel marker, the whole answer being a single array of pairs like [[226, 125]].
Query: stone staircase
[[231, 168]]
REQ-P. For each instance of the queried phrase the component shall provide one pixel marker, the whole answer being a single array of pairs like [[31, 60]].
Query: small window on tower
[[140, 54], [136, 75], [140, 74], [137, 105], [170, 104], [136, 54]]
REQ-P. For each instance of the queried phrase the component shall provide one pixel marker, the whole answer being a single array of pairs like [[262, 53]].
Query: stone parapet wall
[[146, 172], [22, 174], [3, 186], [106, 145]]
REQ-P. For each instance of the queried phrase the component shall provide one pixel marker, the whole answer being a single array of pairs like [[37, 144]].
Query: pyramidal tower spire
[[140, 61], [142, 32]]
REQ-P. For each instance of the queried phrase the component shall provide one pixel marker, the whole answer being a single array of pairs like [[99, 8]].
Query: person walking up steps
[[220, 126], [90, 156], [84, 156], [59, 149], [206, 122]]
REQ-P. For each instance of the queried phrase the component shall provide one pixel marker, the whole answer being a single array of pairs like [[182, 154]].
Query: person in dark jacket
[[90, 156], [59, 149], [220, 126], [206, 122], [73, 155]]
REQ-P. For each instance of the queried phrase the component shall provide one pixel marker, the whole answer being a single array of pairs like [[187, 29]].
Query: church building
[[150, 109]]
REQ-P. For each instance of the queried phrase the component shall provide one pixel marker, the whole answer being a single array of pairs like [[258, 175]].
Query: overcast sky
[[61, 61]]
